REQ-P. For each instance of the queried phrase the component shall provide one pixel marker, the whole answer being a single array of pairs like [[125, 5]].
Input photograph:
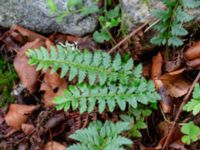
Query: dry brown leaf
[[156, 69], [29, 35], [54, 146], [27, 73], [193, 52], [166, 103], [176, 84], [18, 114], [52, 86], [27, 128], [194, 63], [48, 44]]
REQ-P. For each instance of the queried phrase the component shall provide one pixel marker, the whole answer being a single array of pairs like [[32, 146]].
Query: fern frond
[[170, 28], [86, 97], [101, 136], [97, 66]]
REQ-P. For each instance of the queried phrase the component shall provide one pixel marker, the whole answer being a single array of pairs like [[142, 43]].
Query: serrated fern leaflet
[[97, 66], [85, 98]]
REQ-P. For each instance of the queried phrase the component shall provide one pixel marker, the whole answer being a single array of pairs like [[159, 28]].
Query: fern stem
[[84, 67]]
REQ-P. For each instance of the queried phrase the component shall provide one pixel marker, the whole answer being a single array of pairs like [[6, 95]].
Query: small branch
[[129, 36], [185, 99]]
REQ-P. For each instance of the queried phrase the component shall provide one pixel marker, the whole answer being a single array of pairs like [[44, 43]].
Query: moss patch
[[7, 78]]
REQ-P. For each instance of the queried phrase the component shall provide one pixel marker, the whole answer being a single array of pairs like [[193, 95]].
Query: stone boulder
[[36, 16]]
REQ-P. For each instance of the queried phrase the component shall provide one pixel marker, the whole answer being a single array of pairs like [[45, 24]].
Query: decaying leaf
[[156, 69], [175, 83], [52, 86], [27, 128], [193, 52], [195, 63], [18, 114], [27, 34], [27, 74], [54, 146]]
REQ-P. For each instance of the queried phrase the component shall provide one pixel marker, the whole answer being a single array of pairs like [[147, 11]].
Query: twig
[[153, 24], [185, 99], [128, 37]]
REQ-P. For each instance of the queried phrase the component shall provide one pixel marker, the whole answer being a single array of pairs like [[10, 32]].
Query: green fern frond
[[86, 97], [97, 66], [170, 27], [100, 136]]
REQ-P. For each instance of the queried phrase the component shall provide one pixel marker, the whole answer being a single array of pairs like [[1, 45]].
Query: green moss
[[7, 78]]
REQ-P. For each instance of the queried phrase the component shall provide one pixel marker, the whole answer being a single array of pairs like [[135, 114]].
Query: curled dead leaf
[[18, 114], [54, 146], [175, 83], [156, 69], [166, 102], [193, 52], [194, 63]]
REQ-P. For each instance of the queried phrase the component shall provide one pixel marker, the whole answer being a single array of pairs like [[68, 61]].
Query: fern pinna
[[85, 98], [100, 136], [131, 89], [98, 65]]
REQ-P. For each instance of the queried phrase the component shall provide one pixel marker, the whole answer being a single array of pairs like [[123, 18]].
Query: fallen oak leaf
[[54, 146], [18, 114]]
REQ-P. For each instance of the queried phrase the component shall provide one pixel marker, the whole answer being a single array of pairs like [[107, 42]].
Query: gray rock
[[139, 11], [36, 16]]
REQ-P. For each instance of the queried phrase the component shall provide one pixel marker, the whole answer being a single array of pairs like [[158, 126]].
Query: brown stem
[[128, 37]]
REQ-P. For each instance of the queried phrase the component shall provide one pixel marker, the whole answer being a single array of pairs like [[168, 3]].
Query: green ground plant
[[101, 137], [103, 81], [171, 20], [108, 19], [7, 76], [190, 130]]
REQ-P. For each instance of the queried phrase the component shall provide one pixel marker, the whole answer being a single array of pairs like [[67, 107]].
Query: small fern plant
[[136, 119], [170, 27], [112, 83], [190, 130], [100, 136]]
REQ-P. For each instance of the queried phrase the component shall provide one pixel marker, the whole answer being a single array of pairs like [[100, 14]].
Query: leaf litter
[[39, 126]]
